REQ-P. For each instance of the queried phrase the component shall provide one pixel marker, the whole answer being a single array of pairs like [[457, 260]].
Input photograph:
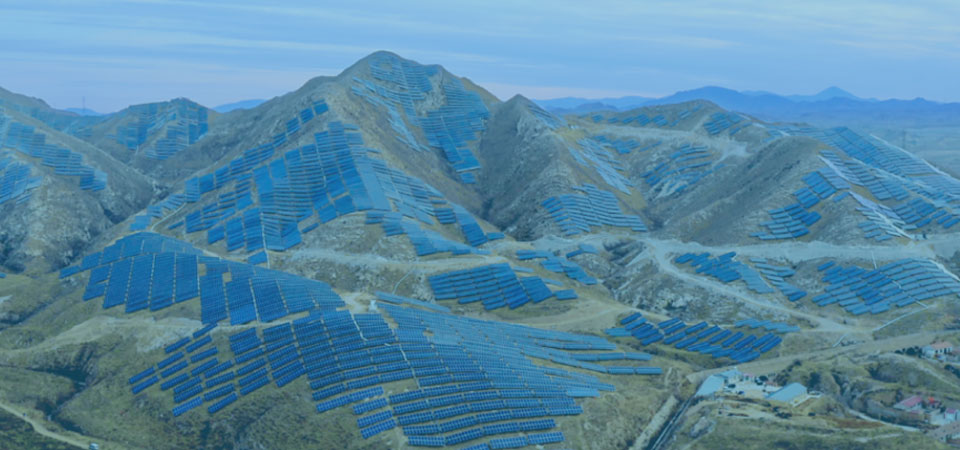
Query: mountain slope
[[69, 193], [393, 258]]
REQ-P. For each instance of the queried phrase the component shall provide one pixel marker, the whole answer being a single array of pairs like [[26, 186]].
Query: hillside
[[59, 194], [394, 258]]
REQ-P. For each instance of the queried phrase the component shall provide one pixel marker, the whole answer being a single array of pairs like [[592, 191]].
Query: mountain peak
[[835, 92]]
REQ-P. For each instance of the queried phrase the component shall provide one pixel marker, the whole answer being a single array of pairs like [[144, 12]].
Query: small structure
[[788, 393], [716, 382], [937, 348], [911, 404], [710, 386]]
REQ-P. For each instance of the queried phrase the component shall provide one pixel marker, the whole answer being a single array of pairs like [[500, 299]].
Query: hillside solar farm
[[395, 258]]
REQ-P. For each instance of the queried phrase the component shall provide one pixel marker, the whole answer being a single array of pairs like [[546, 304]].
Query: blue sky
[[117, 53]]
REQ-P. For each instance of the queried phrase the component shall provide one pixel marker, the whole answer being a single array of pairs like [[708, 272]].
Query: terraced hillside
[[394, 258]]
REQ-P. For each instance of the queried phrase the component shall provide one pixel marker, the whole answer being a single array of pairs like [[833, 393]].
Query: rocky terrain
[[125, 237]]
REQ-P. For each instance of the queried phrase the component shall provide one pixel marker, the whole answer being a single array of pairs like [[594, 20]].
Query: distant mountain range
[[243, 104], [84, 111], [831, 107]]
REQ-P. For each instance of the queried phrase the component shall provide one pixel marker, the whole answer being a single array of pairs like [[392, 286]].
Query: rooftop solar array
[[606, 165], [684, 167], [723, 121], [473, 379], [578, 213], [777, 276], [25, 139], [723, 268], [401, 86], [495, 286], [898, 284], [181, 121], [16, 184], [703, 338], [151, 271]]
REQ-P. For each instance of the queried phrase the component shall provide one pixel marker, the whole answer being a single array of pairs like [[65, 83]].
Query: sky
[[111, 54]]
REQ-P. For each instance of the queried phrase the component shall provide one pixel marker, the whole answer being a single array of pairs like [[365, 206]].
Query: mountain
[[573, 105], [829, 93], [243, 104], [59, 194], [83, 111], [830, 107], [394, 258]]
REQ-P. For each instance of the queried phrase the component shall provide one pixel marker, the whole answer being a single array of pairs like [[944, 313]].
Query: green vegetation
[[18, 434]]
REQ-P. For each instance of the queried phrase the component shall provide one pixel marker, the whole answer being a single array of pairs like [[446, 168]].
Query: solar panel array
[[689, 111], [495, 286], [474, 379], [16, 184], [723, 121], [899, 283], [401, 300], [425, 241], [726, 270], [560, 265], [25, 139], [157, 211], [684, 167], [768, 325], [392, 101], [625, 146], [547, 118], [794, 220], [583, 249], [182, 122], [449, 127], [606, 165], [333, 177], [703, 338], [640, 119], [147, 270], [777, 276], [910, 194], [578, 213]]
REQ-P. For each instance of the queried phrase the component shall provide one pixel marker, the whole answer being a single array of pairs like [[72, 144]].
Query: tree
[[814, 380]]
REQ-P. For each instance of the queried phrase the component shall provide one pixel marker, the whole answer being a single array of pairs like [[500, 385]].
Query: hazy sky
[[117, 53]]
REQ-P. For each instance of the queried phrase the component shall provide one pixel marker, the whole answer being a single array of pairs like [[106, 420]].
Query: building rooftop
[[909, 402], [788, 393]]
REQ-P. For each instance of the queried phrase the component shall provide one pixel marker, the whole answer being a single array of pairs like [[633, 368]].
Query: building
[[937, 348], [913, 403], [710, 386], [716, 382], [788, 393]]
